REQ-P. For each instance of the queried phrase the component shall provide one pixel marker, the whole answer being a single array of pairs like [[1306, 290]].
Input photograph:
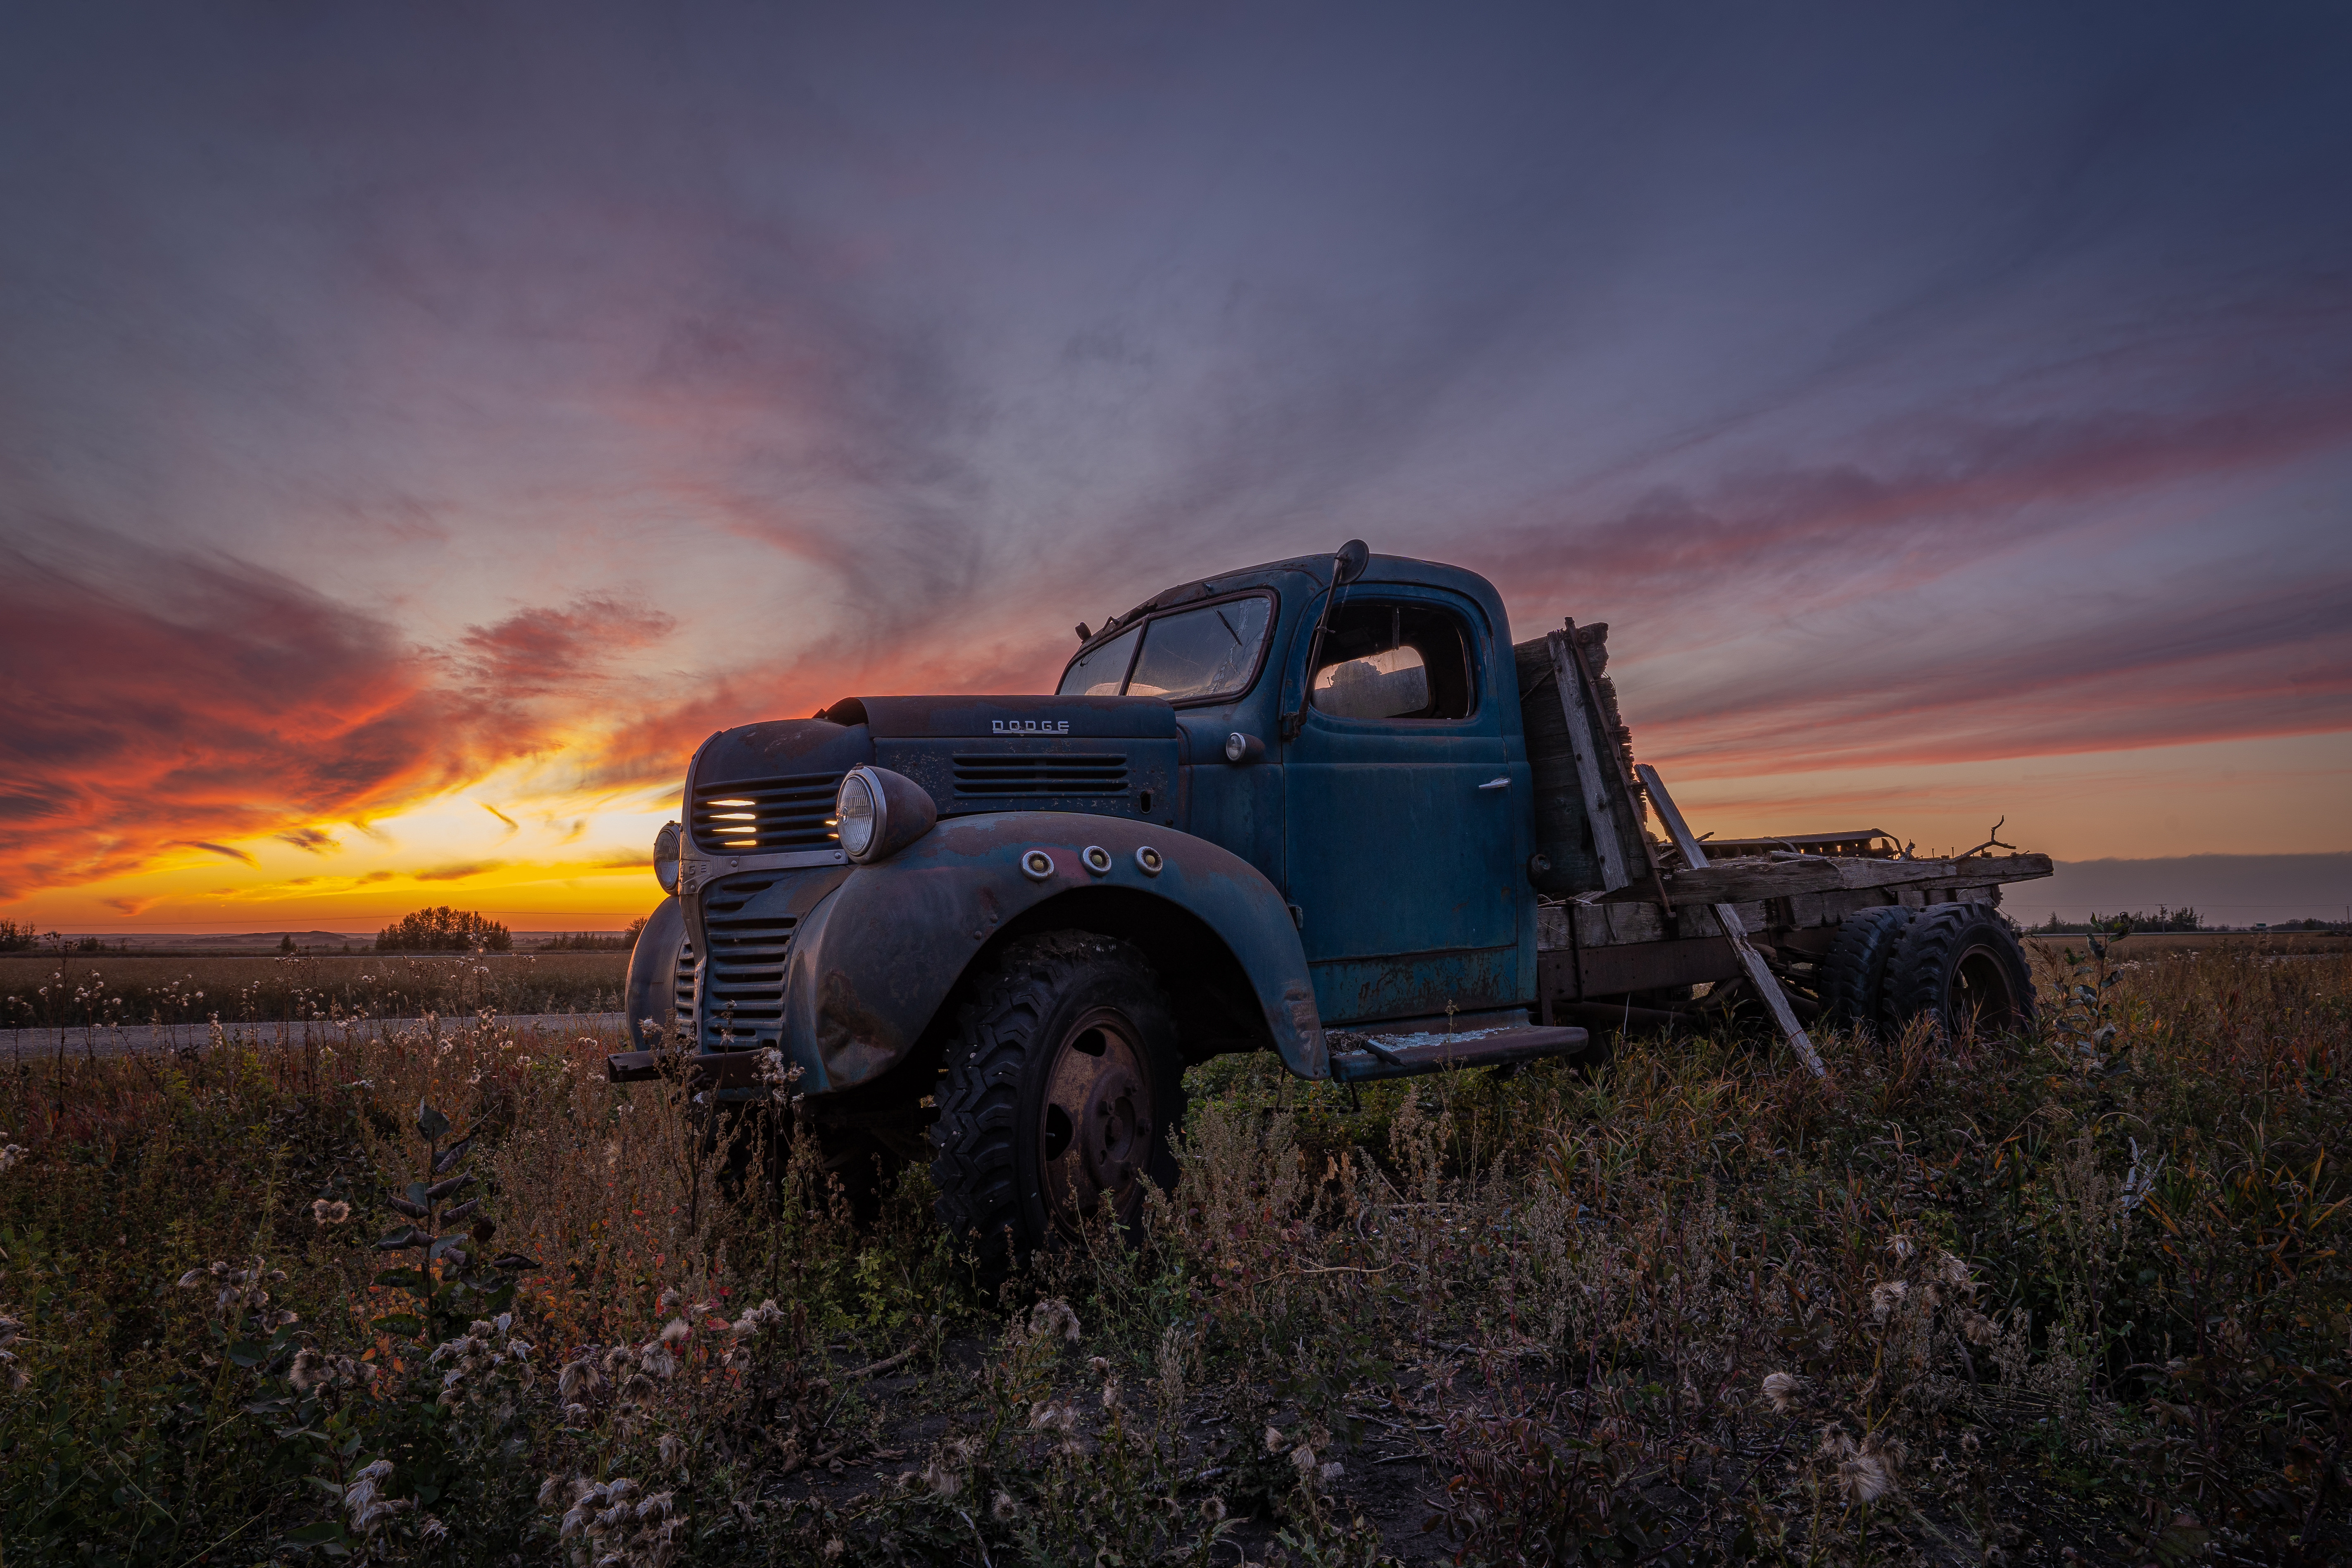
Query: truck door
[[1401, 845]]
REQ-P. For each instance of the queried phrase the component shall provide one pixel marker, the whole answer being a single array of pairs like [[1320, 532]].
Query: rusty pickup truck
[[1324, 807]]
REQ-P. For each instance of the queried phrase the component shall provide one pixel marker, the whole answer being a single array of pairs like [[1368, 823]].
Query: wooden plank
[[1599, 802], [1747, 880], [1653, 966], [1758, 974]]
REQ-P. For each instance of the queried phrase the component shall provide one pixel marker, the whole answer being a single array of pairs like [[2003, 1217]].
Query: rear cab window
[[1390, 662]]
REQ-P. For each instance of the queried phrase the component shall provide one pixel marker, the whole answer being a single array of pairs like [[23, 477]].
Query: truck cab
[[1288, 808]]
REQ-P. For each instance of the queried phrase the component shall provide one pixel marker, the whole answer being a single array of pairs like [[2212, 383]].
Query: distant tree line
[[15, 938], [445, 929], [594, 940], [2165, 918]]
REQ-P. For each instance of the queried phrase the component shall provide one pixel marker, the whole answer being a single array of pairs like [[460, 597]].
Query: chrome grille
[[762, 815], [742, 1005], [1040, 774]]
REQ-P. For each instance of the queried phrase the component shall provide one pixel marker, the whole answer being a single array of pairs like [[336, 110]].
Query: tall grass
[[1977, 1299]]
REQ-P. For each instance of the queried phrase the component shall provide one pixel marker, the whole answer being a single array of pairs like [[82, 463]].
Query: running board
[[1359, 1057]]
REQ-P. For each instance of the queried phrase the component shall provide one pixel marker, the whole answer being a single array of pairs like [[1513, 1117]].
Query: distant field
[[2140, 944], [45, 992]]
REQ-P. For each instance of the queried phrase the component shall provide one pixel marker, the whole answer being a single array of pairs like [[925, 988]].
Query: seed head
[[1780, 1389], [1054, 1316], [1864, 1479]]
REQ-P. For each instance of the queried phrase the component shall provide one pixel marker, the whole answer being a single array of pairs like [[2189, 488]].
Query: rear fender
[[871, 965]]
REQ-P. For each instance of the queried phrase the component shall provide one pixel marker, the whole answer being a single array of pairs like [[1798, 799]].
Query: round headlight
[[857, 816], [666, 848]]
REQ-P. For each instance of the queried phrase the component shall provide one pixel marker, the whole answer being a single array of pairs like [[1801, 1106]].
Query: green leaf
[[416, 1193], [402, 1278], [319, 1534], [406, 1324], [429, 1121], [393, 1241], [244, 1353]]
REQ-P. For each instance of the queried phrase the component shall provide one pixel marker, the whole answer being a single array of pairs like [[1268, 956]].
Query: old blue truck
[[1324, 807]]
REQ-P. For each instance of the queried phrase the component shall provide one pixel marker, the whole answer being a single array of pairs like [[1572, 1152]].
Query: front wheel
[[1063, 1084]]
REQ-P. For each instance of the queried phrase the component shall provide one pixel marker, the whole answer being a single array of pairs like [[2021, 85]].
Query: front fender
[[872, 963], [652, 994]]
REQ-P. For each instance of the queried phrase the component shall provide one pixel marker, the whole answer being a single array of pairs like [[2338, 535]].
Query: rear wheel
[[1063, 1083], [1961, 966], [1855, 972]]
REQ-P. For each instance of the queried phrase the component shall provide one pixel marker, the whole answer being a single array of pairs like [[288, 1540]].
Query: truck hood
[[768, 787]]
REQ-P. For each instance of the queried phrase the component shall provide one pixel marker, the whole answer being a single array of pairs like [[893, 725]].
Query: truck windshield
[[1102, 673], [1191, 656]]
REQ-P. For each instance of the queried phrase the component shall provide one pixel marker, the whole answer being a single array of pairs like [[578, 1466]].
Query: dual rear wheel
[[1959, 965]]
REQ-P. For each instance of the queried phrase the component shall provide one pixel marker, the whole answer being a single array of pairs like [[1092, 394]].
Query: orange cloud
[[458, 873], [238, 855]]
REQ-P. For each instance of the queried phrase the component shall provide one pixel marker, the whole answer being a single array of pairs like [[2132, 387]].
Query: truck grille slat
[[682, 983], [743, 980], [1040, 774], [766, 815]]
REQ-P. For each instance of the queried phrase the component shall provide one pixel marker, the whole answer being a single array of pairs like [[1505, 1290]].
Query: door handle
[[1502, 782]]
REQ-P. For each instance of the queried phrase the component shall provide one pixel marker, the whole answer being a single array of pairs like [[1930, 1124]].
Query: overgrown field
[[78, 993], [2077, 1298]]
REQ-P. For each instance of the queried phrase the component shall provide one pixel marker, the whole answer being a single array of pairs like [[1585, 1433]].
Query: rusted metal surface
[[1417, 984]]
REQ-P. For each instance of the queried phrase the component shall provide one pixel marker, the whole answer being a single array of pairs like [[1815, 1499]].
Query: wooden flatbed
[[1630, 922]]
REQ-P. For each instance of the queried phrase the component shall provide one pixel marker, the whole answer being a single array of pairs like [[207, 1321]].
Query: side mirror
[[1352, 560]]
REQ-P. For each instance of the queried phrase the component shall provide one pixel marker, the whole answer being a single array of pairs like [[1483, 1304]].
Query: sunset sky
[[421, 424]]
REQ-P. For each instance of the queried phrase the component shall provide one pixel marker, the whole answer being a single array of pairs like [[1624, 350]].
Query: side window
[[1395, 661]]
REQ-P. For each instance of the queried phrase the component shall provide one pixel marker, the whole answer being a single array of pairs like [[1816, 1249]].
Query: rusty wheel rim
[[1984, 998], [1096, 1126]]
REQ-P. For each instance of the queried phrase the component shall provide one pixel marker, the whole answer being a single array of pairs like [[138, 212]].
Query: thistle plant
[[451, 1281]]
